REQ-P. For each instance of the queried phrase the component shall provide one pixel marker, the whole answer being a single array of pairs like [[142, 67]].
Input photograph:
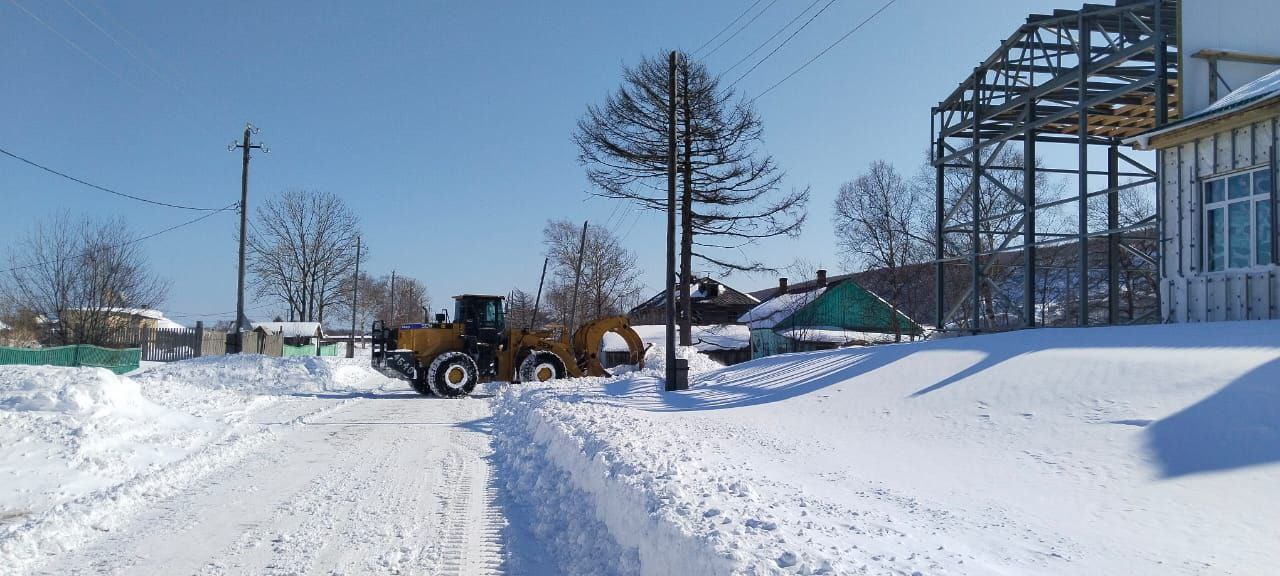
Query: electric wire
[[103, 188], [827, 49], [122, 244], [728, 26], [784, 42], [770, 39], [740, 29]]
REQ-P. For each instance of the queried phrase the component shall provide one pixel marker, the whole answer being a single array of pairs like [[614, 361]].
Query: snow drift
[[77, 444], [1135, 450]]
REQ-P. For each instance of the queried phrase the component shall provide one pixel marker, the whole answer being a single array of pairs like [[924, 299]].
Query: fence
[[265, 343], [115, 360], [310, 350], [169, 344]]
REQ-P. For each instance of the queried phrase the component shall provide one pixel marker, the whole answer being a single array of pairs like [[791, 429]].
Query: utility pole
[[686, 217], [671, 382], [246, 146], [393, 299], [577, 276], [355, 295], [538, 300]]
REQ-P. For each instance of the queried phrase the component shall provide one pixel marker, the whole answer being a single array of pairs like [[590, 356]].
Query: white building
[[1217, 166]]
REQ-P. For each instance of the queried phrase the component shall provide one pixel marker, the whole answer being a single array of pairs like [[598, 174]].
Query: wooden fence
[[263, 342], [169, 344]]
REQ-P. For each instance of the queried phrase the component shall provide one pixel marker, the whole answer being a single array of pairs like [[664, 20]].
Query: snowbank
[[705, 338], [71, 438], [1136, 450]]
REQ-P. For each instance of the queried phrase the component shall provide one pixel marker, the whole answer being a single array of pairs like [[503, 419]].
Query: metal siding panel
[[1242, 150]]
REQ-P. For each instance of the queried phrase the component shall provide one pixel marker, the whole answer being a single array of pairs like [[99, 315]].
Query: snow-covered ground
[[165, 469], [1140, 450], [1137, 450]]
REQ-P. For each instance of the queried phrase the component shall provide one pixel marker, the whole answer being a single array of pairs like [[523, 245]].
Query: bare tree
[[410, 302], [84, 277], [731, 191], [610, 277], [302, 253], [878, 221], [520, 310]]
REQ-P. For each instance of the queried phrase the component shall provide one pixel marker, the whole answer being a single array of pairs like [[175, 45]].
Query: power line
[[72, 43], [827, 49], [740, 29], [770, 39], [105, 189], [130, 52], [122, 244], [784, 42], [728, 26]]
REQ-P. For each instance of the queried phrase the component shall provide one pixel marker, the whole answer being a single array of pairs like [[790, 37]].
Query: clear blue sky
[[445, 125]]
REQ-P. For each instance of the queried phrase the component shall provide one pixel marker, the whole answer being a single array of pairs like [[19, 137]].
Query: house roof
[[148, 313], [775, 310], [292, 329], [1257, 93], [869, 311], [725, 296]]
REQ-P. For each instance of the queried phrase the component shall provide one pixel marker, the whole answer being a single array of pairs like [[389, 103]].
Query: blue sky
[[445, 125]]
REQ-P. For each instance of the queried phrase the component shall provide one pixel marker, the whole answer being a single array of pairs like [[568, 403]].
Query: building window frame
[[1229, 201]]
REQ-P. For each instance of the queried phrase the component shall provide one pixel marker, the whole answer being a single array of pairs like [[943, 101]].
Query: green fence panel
[[310, 350], [118, 361]]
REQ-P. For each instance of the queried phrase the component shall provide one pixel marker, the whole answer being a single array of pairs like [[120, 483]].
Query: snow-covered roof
[[1267, 85], [769, 313], [706, 338], [291, 329], [148, 313], [3, 326], [1259, 91]]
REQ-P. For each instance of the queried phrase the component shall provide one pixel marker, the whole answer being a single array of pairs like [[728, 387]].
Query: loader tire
[[419, 382], [452, 374], [541, 366]]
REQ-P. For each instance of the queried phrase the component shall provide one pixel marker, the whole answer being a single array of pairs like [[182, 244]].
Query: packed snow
[[73, 439], [1136, 450]]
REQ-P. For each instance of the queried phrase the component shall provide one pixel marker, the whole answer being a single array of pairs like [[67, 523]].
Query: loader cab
[[484, 327]]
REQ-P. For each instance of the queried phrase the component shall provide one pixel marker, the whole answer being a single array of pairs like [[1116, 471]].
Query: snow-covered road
[[348, 483]]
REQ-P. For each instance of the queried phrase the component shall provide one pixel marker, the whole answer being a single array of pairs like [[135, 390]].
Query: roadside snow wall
[[592, 509]]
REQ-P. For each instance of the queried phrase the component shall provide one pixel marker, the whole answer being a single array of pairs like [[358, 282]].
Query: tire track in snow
[[82, 521]]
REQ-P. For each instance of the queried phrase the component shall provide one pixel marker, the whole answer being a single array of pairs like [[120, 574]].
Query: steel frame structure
[[1087, 77]]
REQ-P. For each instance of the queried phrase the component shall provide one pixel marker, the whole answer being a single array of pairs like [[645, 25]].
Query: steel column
[[977, 205], [1084, 54], [1113, 239], [1029, 220]]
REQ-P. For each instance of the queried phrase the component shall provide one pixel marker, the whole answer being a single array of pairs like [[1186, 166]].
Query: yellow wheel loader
[[448, 359]]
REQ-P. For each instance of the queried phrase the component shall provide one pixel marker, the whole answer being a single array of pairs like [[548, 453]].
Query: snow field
[[82, 449], [1135, 450]]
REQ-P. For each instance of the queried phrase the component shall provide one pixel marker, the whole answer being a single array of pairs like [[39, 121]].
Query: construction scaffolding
[[1080, 81]]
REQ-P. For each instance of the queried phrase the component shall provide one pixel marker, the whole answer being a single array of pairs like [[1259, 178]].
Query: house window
[[1237, 225]]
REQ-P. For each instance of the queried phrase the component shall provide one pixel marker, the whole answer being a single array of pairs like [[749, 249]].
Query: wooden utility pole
[[392, 297], [538, 299], [671, 221], [355, 295], [577, 277], [246, 146], [686, 217]]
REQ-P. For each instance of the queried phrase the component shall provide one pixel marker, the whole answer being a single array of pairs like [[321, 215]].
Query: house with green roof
[[822, 316]]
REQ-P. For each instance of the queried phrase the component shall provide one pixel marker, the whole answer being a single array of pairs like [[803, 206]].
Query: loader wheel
[[419, 382], [452, 374], [541, 366]]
